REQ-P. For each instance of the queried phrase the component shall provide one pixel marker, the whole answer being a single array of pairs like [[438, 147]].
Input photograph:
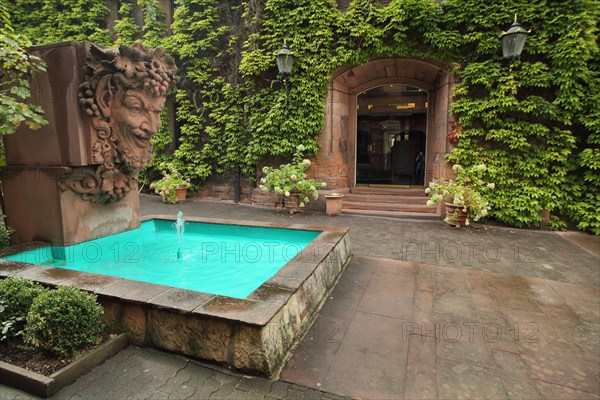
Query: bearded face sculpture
[[124, 94]]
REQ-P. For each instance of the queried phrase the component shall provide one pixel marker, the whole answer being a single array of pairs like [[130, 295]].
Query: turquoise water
[[227, 260]]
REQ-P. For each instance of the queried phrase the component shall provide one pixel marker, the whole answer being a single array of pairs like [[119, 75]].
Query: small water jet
[[180, 228]]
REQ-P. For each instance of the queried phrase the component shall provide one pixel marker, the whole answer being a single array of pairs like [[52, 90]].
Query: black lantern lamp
[[285, 62], [513, 41]]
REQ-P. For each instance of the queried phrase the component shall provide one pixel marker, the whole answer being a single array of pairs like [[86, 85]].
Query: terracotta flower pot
[[181, 194], [292, 203], [333, 204], [455, 215]]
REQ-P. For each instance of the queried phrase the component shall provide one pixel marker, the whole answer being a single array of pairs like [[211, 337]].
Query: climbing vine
[[16, 66], [50, 21], [536, 126], [125, 27], [155, 28], [278, 122], [528, 124], [207, 111]]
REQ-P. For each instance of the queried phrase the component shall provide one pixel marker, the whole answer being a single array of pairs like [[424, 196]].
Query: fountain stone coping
[[255, 335]]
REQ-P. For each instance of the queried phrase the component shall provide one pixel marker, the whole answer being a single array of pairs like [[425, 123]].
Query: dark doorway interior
[[391, 136]]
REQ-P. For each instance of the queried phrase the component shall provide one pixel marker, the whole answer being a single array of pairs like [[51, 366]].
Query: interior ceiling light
[[391, 124]]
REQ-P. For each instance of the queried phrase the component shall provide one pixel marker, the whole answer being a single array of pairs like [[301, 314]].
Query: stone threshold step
[[388, 207], [394, 214], [386, 198], [390, 191]]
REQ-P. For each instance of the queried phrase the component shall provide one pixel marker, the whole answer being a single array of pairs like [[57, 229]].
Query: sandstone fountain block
[[40, 211], [255, 335], [190, 334]]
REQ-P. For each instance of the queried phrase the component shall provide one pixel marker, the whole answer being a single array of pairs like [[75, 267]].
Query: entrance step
[[389, 202], [394, 214], [385, 198], [423, 208], [388, 191]]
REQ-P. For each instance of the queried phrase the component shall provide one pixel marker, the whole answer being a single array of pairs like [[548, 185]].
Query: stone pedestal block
[[39, 210], [333, 204]]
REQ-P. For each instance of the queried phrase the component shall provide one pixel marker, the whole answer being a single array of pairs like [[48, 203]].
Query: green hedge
[[16, 296], [59, 321], [64, 320]]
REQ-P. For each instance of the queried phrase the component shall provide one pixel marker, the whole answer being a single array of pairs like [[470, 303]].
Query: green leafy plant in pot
[[291, 181], [462, 194], [173, 186]]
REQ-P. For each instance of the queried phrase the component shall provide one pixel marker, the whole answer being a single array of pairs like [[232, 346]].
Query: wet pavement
[[395, 329], [422, 311]]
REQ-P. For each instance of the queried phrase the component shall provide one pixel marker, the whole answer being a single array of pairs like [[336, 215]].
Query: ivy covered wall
[[537, 126]]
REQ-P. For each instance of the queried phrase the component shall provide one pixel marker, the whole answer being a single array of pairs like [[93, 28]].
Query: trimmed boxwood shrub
[[16, 296], [64, 320]]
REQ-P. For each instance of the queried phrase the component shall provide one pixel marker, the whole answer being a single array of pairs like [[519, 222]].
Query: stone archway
[[336, 160]]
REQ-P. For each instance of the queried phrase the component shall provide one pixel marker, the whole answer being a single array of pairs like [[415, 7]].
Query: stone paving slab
[[473, 334], [465, 381], [318, 350], [421, 370], [371, 361], [586, 241], [516, 376]]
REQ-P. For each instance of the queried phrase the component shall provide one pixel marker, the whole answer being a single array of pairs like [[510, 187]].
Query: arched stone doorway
[[337, 158], [391, 127]]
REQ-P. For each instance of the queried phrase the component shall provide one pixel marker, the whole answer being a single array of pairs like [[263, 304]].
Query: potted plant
[[291, 182], [461, 195], [172, 187]]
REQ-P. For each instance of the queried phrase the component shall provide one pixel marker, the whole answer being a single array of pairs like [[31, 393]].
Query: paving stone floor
[[394, 329], [423, 311], [137, 373]]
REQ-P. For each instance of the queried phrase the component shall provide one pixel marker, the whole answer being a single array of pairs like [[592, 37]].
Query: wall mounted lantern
[[285, 62], [513, 41]]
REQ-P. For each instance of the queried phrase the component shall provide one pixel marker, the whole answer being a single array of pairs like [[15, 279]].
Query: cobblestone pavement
[[137, 373], [376, 336]]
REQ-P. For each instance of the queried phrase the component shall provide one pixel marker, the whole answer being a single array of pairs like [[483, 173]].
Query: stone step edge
[[385, 198], [393, 214], [423, 208], [388, 191]]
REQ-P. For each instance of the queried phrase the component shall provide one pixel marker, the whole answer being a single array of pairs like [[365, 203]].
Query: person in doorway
[[420, 166]]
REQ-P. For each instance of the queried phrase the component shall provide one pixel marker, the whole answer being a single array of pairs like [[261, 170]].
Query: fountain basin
[[255, 334], [221, 259]]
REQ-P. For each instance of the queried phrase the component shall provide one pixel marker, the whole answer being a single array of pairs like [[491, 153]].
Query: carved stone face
[[124, 93], [135, 117]]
